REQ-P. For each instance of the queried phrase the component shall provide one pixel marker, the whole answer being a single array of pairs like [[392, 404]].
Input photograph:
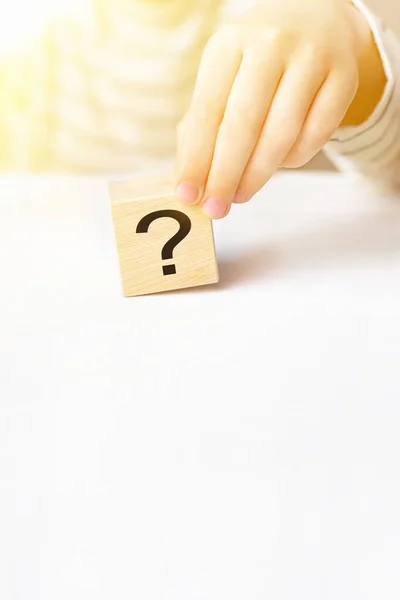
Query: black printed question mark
[[168, 249]]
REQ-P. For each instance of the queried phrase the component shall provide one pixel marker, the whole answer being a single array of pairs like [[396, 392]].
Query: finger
[[219, 66], [246, 110], [325, 116], [291, 104]]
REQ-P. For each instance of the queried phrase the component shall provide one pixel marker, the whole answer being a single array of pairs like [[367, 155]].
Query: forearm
[[369, 139]]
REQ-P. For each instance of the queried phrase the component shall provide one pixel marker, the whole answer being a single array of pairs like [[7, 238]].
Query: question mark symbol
[[168, 249]]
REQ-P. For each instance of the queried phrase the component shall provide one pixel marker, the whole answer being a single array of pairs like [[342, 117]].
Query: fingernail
[[187, 193], [216, 208], [239, 198]]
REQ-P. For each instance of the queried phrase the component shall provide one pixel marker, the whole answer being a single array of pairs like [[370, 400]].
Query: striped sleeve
[[373, 148]]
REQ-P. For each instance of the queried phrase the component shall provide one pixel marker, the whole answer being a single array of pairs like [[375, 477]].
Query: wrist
[[372, 77]]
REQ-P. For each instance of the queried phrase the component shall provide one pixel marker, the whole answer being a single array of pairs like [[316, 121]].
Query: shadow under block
[[147, 215]]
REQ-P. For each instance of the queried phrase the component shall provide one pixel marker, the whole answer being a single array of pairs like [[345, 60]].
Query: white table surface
[[239, 442]]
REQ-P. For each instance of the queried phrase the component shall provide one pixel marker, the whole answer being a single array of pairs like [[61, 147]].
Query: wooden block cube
[[162, 245]]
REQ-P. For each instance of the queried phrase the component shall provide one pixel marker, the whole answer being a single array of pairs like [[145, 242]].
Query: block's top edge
[[141, 188]]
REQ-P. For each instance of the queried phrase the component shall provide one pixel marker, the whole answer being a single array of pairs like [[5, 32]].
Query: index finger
[[218, 69]]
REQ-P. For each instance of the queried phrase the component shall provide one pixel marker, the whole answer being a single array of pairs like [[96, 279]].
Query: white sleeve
[[373, 148]]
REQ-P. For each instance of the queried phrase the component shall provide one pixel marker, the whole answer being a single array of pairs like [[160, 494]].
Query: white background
[[239, 441]]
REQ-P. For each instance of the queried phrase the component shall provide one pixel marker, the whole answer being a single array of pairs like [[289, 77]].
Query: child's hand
[[271, 90]]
